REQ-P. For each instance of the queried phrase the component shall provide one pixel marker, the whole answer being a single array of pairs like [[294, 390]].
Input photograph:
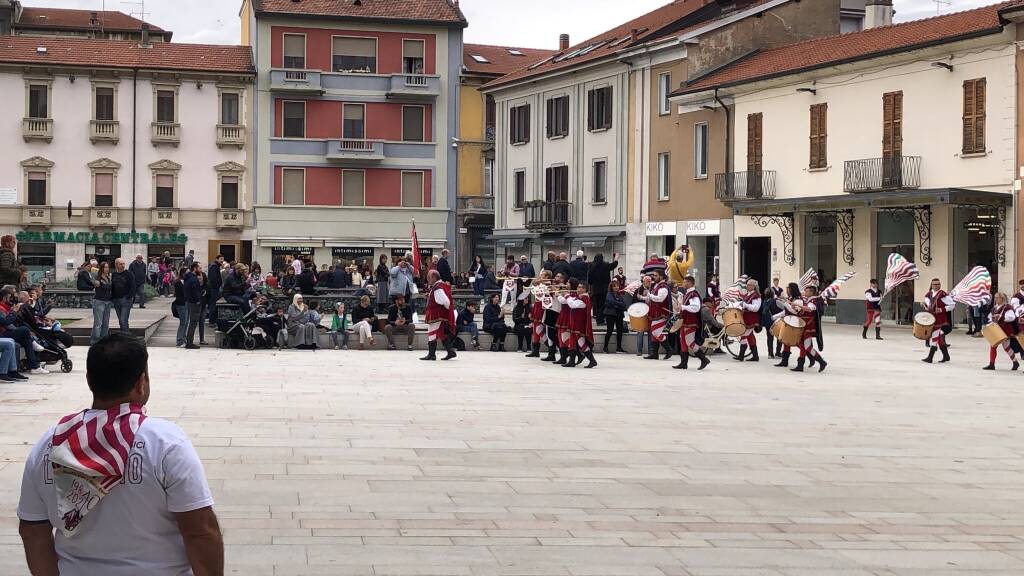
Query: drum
[[791, 330], [924, 325], [994, 333], [677, 325], [777, 328], [638, 320], [733, 320]]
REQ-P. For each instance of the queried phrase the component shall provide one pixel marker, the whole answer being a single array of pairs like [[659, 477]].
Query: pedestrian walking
[[138, 270]]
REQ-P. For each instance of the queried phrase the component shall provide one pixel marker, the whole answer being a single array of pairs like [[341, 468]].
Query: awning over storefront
[[914, 204], [591, 241]]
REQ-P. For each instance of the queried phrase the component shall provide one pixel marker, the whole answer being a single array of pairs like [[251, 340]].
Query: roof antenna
[[940, 3]]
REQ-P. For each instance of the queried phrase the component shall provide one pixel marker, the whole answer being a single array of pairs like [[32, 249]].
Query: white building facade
[[116, 150]]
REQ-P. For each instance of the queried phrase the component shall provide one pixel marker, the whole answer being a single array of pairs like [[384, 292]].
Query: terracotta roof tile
[[500, 60], [75, 51], [649, 27], [33, 17], [828, 51], [439, 11]]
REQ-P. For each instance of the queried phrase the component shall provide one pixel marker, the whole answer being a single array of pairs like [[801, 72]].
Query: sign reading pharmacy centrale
[[101, 238]]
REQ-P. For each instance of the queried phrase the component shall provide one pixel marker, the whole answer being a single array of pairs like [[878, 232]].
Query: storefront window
[[40, 259], [282, 255], [361, 257], [103, 252], [177, 252], [895, 234], [975, 236]]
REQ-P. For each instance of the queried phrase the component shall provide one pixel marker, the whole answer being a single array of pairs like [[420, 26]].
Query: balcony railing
[[544, 216], [36, 216], [166, 133], [103, 217], [291, 80], [164, 218], [230, 135], [739, 186], [876, 174], [37, 129], [415, 85], [104, 131], [349, 149], [230, 218], [476, 204]]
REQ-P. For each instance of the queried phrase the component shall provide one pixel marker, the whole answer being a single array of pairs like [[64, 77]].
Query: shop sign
[[352, 253], [103, 238], [661, 228], [8, 196], [290, 250], [975, 225], [400, 252], [703, 227], [823, 230]]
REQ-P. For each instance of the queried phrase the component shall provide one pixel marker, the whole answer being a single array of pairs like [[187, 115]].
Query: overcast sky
[[502, 22]]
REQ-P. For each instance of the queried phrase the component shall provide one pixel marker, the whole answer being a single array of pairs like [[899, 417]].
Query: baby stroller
[[241, 331], [55, 347]]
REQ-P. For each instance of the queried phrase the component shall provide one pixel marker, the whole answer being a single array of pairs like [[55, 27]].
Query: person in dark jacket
[[305, 283], [83, 281], [599, 277], [10, 268], [549, 264], [138, 270], [444, 267], [122, 294], [324, 277], [235, 288], [561, 266], [400, 322], [494, 323], [466, 322], [179, 308], [578, 268], [478, 272], [216, 281], [193, 291], [521, 322], [770, 307], [614, 315], [526, 269], [100, 303], [10, 328]]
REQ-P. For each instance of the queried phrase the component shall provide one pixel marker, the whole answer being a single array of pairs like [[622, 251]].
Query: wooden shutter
[[974, 116], [819, 136], [591, 108], [755, 137], [892, 124]]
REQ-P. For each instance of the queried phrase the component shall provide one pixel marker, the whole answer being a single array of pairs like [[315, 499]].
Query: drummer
[[690, 314], [806, 307], [658, 300], [751, 305], [792, 294], [1005, 316], [939, 303]]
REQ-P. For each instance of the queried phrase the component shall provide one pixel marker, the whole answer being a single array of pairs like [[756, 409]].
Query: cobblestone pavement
[[373, 463]]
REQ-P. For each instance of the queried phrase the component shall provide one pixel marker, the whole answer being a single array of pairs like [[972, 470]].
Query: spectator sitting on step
[[287, 282], [10, 327], [257, 281], [339, 327], [364, 321], [400, 322], [466, 322], [302, 331], [305, 282], [235, 289]]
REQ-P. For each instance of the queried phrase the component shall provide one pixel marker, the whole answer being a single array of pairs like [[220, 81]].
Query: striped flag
[[899, 270], [810, 278], [975, 289], [735, 292], [832, 290]]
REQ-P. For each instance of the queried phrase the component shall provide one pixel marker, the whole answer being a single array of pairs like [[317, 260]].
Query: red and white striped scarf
[[89, 456]]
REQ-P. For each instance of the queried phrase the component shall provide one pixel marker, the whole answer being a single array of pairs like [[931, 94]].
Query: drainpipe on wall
[[135, 133], [728, 133]]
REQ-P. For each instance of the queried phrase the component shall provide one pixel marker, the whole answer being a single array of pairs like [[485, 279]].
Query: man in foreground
[[126, 493]]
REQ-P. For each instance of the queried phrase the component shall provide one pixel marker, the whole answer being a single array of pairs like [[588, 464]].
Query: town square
[[475, 288]]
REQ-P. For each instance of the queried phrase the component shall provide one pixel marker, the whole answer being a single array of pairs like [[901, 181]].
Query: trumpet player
[[1005, 316], [581, 329], [537, 328], [658, 300], [552, 314]]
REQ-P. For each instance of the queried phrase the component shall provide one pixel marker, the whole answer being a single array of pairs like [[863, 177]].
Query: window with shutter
[[103, 183], [892, 139], [974, 116], [819, 136], [354, 55], [293, 184], [519, 124], [353, 187], [519, 184], [294, 51], [412, 189], [164, 191], [599, 109], [754, 142]]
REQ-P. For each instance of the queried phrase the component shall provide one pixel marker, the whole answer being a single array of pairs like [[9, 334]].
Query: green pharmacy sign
[[101, 238]]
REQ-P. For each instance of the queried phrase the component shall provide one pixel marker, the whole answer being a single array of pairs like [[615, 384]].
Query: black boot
[[684, 361], [1016, 366], [811, 361], [591, 362], [654, 351], [945, 353], [753, 355], [784, 363], [771, 351], [878, 334], [494, 346], [563, 356], [669, 350], [822, 364], [743, 352], [931, 355], [704, 362], [431, 352], [989, 367], [572, 360], [551, 355], [501, 346], [864, 334], [535, 351], [450, 349], [799, 365]]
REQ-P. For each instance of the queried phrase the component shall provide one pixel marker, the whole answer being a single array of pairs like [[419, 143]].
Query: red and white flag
[[415, 250], [89, 456], [898, 271], [810, 278]]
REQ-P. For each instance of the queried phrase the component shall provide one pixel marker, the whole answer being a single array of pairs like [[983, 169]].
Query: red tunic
[[537, 311], [999, 315], [437, 312], [873, 306], [690, 319], [563, 314], [661, 309], [938, 307], [579, 319], [751, 318], [810, 316]]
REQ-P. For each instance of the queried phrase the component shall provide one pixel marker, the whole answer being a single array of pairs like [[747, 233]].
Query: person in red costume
[[440, 316]]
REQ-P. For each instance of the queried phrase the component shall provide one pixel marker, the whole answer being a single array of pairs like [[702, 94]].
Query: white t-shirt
[[133, 530]]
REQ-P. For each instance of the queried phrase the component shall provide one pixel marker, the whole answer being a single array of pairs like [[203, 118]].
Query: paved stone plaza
[[373, 463]]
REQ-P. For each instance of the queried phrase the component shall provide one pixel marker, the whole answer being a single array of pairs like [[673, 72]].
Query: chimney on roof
[[877, 13], [144, 42], [94, 18], [563, 42]]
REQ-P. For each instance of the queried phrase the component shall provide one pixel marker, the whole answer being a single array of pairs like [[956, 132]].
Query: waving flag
[[632, 287], [899, 270], [810, 278], [735, 292], [415, 250], [830, 292], [975, 289]]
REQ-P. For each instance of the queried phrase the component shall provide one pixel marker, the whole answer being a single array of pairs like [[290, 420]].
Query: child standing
[[339, 326]]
